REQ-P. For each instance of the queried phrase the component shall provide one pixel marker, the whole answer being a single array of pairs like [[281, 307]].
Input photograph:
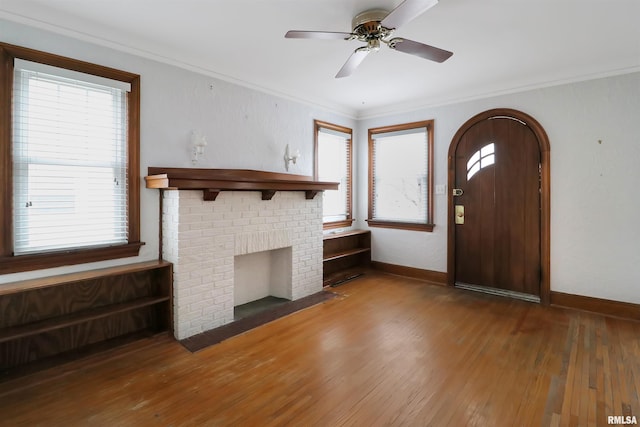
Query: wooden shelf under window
[[346, 255], [57, 317], [35, 328]]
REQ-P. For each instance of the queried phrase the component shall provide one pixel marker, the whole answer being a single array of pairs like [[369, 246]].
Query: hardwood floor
[[387, 351]]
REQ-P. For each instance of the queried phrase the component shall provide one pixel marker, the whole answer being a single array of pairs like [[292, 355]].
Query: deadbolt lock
[[459, 214], [458, 192]]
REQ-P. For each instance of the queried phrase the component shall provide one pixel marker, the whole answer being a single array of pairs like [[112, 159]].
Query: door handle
[[459, 214]]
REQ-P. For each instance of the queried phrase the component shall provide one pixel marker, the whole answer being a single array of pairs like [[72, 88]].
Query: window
[[401, 176], [480, 160], [333, 164], [70, 153]]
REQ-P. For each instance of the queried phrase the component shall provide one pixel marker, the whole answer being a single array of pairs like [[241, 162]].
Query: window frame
[[317, 124], [10, 263], [373, 222]]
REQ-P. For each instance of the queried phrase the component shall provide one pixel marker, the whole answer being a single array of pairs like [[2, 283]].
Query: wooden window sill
[[40, 261], [337, 224], [401, 225]]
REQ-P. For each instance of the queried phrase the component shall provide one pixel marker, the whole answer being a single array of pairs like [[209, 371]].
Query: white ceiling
[[499, 45]]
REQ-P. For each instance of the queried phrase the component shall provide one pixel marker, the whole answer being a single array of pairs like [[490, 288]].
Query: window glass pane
[[487, 161], [474, 169], [474, 159], [70, 162], [333, 158], [486, 150], [400, 177]]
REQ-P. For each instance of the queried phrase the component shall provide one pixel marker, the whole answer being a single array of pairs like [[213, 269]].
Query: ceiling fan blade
[[323, 35], [420, 49], [352, 63], [406, 11]]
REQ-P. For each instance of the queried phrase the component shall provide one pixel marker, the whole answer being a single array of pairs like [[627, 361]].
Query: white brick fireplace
[[203, 238]]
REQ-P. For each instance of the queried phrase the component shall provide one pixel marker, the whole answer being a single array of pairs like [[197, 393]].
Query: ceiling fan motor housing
[[366, 25]]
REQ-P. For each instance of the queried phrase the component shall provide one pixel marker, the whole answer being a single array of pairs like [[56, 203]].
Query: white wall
[[245, 128], [595, 237]]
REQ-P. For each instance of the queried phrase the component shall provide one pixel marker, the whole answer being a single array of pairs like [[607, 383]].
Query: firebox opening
[[262, 281]]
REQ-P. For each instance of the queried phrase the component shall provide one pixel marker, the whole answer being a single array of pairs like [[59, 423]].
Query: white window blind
[[69, 160], [333, 166], [400, 176]]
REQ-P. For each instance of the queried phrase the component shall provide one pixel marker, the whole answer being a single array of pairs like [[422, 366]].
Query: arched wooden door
[[498, 206]]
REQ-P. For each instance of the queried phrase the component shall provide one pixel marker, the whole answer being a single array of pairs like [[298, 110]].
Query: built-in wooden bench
[[56, 318]]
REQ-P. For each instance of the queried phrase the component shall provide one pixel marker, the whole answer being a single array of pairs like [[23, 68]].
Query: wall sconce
[[288, 157], [198, 142]]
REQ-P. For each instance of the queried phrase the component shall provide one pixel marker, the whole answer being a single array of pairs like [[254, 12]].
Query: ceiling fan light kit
[[376, 26]]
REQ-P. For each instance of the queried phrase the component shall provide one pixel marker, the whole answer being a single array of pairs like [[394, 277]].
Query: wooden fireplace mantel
[[213, 181]]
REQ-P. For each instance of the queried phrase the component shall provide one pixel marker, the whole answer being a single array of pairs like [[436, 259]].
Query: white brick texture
[[201, 239]]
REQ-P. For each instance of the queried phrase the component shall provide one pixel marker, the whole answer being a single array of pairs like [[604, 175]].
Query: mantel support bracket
[[268, 194], [210, 195], [310, 194]]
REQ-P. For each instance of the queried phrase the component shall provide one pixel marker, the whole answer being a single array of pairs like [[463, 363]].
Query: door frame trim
[[545, 195]]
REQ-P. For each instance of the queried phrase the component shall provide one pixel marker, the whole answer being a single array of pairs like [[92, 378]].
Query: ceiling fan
[[375, 27]]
